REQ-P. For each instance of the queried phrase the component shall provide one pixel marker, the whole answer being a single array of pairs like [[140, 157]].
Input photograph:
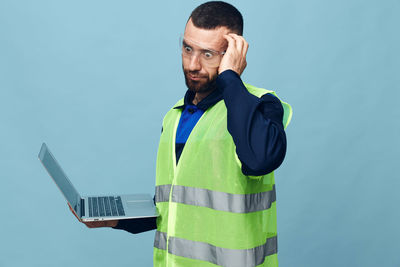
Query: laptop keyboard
[[105, 206]]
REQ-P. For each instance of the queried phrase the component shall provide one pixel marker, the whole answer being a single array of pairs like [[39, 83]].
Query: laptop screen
[[60, 178]]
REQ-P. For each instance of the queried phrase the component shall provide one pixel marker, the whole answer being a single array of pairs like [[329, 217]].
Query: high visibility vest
[[211, 214]]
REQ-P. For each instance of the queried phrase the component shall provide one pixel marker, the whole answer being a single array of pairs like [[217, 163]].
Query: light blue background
[[93, 79]]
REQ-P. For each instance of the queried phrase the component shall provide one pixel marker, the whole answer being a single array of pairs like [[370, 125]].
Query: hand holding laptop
[[97, 211], [95, 224]]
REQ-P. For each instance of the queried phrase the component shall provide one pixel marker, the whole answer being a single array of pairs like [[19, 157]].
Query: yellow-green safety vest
[[211, 214]]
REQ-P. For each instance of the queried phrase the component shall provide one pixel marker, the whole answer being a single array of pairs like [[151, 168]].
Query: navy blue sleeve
[[136, 226], [255, 125]]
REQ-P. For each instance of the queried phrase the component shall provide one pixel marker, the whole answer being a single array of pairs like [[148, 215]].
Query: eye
[[208, 54], [187, 49]]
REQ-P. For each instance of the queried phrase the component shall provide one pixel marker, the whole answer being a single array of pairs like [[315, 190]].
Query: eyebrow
[[202, 50], [185, 44]]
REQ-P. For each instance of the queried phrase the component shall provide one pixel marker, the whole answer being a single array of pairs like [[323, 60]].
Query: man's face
[[199, 76]]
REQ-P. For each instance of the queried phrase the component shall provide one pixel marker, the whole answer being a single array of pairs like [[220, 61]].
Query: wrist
[[113, 223], [222, 70], [226, 78]]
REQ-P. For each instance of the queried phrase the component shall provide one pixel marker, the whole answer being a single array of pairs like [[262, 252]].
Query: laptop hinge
[[82, 207]]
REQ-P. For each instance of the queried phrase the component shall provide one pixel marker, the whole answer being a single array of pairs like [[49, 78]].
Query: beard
[[207, 85]]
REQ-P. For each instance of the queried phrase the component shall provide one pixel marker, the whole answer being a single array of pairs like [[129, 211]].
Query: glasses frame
[[203, 49]]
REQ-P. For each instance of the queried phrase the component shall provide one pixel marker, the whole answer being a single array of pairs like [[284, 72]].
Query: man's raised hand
[[235, 55]]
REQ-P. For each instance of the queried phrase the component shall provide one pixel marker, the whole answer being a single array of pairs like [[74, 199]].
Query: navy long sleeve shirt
[[254, 123]]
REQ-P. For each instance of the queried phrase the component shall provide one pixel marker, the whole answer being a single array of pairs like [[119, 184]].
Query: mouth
[[194, 77]]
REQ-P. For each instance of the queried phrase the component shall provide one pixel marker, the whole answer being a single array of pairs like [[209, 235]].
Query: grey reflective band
[[162, 193], [237, 203], [160, 240], [222, 256], [217, 255]]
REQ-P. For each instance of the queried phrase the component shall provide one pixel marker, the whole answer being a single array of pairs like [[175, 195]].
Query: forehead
[[212, 39]]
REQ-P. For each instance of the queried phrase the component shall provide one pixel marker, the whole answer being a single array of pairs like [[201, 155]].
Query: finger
[[94, 224], [245, 43], [231, 43], [89, 225], [245, 48], [98, 224], [238, 41], [241, 43]]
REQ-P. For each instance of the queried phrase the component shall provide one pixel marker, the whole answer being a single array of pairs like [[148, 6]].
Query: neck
[[200, 96]]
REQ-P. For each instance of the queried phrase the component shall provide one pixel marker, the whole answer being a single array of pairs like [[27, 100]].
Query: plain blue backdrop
[[93, 79]]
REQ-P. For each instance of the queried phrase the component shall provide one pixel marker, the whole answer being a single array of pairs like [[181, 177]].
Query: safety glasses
[[207, 57]]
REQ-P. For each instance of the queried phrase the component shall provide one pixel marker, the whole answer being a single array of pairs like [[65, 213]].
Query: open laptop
[[97, 208]]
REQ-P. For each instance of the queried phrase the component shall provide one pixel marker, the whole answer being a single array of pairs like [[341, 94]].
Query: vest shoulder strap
[[287, 109]]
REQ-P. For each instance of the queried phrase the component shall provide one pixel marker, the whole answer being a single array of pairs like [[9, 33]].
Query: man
[[215, 188]]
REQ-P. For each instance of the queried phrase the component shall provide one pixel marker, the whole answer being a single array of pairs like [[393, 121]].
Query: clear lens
[[207, 57]]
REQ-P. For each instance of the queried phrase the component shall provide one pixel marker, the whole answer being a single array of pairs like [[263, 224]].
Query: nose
[[194, 64]]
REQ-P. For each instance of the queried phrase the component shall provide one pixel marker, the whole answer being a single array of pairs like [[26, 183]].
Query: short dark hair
[[214, 14]]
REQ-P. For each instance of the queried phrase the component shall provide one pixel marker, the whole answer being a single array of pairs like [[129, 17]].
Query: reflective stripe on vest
[[237, 203], [217, 255]]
